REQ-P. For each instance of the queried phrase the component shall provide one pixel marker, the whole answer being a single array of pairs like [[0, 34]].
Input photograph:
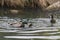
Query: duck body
[[17, 24], [52, 21]]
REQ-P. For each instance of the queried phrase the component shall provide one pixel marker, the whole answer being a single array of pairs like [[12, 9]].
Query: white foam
[[33, 37], [9, 31], [36, 31]]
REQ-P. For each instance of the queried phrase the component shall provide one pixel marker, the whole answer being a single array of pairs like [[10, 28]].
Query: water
[[41, 29]]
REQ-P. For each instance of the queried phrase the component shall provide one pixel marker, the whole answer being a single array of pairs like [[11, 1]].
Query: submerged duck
[[52, 21]]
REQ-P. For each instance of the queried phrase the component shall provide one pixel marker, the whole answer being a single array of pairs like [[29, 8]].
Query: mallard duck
[[53, 21]]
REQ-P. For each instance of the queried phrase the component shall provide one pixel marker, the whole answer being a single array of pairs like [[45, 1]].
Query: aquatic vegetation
[[23, 3]]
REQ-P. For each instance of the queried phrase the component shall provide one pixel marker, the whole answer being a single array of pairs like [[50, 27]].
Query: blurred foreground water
[[41, 29]]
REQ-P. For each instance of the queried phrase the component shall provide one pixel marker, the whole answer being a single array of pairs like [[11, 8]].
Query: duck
[[52, 21], [17, 24]]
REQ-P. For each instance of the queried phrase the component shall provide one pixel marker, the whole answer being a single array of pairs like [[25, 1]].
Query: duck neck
[[52, 17]]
